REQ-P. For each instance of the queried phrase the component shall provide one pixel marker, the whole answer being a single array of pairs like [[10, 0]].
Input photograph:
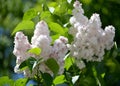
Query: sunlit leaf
[[86, 1], [102, 75], [52, 65], [54, 37], [31, 13], [61, 8], [35, 51], [59, 79], [5, 81], [24, 25], [46, 16], [21, 82], [69, 62], [52, 4], [55, 27]]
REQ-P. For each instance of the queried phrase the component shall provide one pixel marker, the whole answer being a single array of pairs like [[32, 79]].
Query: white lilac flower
[[90, 40], [40, 29], [20, 48], [40, 39], [80, 63], [59, 51], [78, 19], [109, 37], [43, 42]]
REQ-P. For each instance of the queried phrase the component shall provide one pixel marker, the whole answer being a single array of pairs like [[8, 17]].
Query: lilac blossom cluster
[[42, 40], [90, 40]]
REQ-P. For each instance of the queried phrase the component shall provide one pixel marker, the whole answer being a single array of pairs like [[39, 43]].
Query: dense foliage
[[57, 14]]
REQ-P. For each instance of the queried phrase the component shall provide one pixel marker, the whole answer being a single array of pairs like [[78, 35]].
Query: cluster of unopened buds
[[90, 42]]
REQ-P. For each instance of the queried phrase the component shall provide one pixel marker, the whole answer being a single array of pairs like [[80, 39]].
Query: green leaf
[[52, 4], [35, 51], [59, 80], [37, 62], [5, 81], [47, 79], [24, 25], [31, 13], [46, 16], [54, 37], [23, 66], [55, 27], [61, 8], [113, 65], [88, 81], [29, 63], [69, 62], [21, 82], [52, 65]]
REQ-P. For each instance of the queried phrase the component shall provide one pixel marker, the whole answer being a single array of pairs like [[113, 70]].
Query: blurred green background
[[12, 11]]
